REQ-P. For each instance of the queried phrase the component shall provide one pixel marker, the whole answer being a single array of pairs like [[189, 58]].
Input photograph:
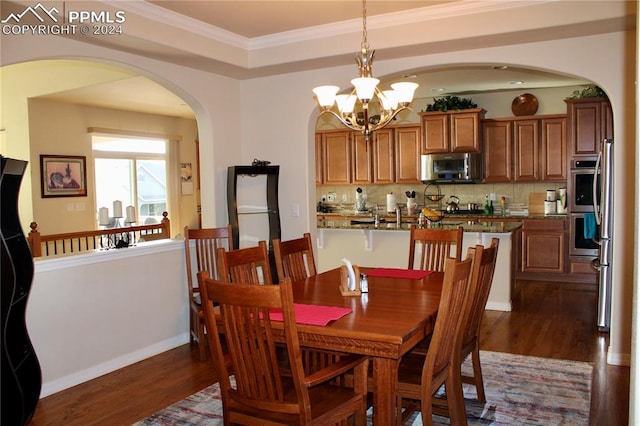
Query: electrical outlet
[[345, 198], [295, 210], [492, 196]]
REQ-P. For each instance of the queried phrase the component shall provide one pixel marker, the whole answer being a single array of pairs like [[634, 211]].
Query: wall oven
[[579, 245], [580, 187]]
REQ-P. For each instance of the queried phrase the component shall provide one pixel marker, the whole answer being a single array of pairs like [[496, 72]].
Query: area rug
[[520, 390]]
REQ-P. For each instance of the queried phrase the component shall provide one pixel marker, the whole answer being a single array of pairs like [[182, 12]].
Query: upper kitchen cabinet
[[452, 131], [336, 157], [589, 120], [407, 153], [498, 150], [383, 164], [553, 144], [525, 149], [361, 154]]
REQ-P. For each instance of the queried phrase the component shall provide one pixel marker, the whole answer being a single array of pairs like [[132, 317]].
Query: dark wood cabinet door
[[407, 154], [383, 156], [336, 153], [553, 144], [465, 132], [584, 121], [526, 151], [435, 133], [361, 154], [497, 157], [544, 246]]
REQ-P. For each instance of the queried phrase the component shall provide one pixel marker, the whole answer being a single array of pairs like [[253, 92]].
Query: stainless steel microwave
[[452, 167]]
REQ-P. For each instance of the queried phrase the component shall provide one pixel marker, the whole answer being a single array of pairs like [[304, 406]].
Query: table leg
[[385, 379]]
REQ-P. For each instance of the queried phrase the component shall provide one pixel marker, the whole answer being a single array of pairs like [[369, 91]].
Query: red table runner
[[313, 314], [413, 274]]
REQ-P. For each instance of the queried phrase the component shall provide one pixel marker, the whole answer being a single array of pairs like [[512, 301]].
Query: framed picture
[[63, 176]]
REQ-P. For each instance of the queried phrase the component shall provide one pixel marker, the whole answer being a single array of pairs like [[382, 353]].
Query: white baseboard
[[498, 306], [623, 360], [85, 375]]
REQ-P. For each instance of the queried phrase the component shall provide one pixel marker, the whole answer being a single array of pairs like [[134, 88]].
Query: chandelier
[[366, 108]]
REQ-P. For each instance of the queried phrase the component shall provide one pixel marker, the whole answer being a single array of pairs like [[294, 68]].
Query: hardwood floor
[[554, 320]]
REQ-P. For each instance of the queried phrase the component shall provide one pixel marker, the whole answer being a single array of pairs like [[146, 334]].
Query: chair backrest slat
[[435, 245], [294, 258], [247, 265], [205, 242]]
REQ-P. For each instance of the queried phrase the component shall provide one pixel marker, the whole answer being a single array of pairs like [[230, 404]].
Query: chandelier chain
[[365, 43]]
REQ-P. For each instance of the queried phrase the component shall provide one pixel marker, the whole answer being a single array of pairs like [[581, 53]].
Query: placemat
[[413, 274], [313, 314]]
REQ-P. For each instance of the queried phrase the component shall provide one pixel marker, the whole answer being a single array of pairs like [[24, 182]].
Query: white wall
[[94, 313]]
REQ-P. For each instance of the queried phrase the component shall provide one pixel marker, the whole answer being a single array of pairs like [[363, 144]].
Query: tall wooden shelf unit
[[271, 209]]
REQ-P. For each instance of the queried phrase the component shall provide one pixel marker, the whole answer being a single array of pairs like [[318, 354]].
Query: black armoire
[[21, 375]]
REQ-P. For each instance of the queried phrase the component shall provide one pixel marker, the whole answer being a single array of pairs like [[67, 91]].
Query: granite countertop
[[478, 217], [367, 224]]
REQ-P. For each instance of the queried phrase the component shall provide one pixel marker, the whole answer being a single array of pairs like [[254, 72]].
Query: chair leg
[[202, 342], [455, 399], [360, 374], [477, 373]]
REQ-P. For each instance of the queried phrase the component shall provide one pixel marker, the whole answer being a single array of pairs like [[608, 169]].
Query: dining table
[[396, 313]]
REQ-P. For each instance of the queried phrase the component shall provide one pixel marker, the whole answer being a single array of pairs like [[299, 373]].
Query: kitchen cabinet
[[553, 148], [498, 147], [383, 164], [544, 243], [527, 149], [589, 120], [362, 162], [336, 157], [407, 154], [392, 155], [452, 131]]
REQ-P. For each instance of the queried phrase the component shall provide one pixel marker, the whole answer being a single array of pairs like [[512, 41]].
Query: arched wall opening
[[42, 81]]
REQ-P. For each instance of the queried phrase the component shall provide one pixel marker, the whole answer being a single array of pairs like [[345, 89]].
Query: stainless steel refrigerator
[[603, 210]]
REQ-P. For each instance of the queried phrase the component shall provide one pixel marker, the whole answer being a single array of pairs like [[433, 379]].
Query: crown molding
[[167, 17], [445, 10]]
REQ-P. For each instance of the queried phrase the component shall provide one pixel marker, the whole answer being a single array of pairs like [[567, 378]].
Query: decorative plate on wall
[[525, 104]]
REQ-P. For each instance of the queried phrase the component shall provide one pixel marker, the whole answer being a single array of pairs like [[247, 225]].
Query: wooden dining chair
[[420, 377], [202, 257], [294, 258], [247, 265], [261, 394], [435, 246], [484, 263]]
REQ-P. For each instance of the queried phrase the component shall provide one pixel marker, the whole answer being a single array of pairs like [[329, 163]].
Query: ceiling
[[251, 19]]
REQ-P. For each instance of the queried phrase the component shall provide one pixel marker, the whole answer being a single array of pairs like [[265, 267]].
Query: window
[[133, 171]]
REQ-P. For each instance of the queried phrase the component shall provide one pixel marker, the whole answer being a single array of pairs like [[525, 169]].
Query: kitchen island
[[387, 245]]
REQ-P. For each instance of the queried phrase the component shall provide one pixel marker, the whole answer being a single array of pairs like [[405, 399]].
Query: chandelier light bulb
[[389, 100], [346, 103], [404, 91], [365, 87], [326, 95]]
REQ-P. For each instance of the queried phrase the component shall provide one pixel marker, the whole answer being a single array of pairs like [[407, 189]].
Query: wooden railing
[[75, 242]]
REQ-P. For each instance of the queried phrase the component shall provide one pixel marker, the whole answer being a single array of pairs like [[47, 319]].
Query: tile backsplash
[[515, 193]]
